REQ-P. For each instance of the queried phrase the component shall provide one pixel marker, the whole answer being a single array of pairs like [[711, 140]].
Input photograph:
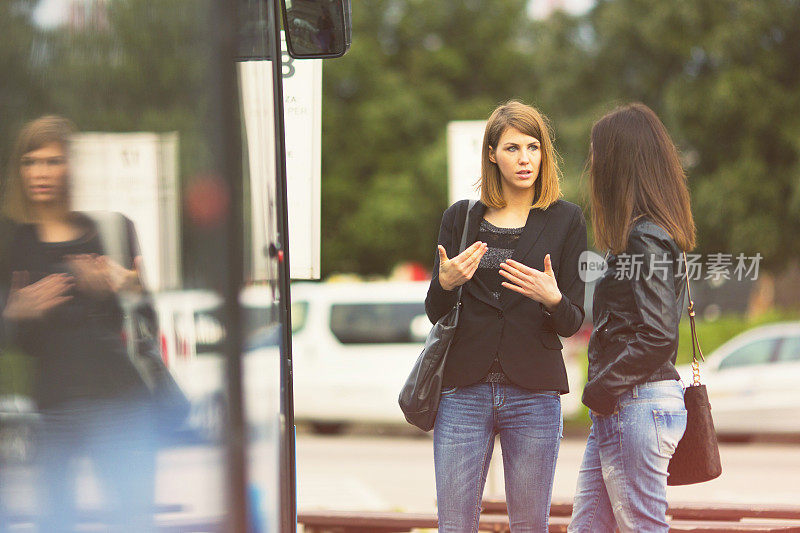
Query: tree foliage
[[20, 88], [722, 74]]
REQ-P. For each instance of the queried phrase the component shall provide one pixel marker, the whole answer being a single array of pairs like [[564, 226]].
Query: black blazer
[[518, 329]]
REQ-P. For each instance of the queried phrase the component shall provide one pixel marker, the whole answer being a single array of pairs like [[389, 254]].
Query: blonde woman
[[62, 309], [505, 373]]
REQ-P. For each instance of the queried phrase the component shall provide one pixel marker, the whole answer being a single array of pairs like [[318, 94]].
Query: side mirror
[[317, 28]]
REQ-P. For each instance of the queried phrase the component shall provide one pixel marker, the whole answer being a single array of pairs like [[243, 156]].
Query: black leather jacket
[[637, 307]]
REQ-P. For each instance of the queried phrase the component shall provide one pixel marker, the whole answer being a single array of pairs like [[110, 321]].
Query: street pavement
[[395, 473], [358, 472]]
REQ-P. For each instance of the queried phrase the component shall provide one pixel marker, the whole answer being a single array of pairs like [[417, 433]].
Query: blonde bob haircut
[[514, 114], [35, 134]]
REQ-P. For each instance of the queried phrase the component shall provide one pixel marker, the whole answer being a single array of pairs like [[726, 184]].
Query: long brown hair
[[35, 134], [635, 172], [529, 121]]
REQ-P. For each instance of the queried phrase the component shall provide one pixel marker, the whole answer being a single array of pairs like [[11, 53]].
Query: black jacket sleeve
[[567, 317], [655, 325], [439, 301]]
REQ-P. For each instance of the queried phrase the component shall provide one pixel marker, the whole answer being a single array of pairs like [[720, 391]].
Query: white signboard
[[134, 174], [302, 86], [464, 141]]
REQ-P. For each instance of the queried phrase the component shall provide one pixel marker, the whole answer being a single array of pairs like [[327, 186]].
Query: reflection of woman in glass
[[62, 309], [504, 373]]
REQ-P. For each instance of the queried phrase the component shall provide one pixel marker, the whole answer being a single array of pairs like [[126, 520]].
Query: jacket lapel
[[537, 220], [477, 289]]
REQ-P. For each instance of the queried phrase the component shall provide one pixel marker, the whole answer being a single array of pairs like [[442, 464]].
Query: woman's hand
[[122, 279], [101, 276], [460, 269], [28, 302], [535, 284], [91, 275]]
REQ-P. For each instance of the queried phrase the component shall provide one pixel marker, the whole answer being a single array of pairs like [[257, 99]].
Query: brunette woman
[[504, 373], [641, 215]]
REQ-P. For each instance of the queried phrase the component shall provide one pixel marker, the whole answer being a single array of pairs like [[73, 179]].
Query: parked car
[[752, 382], [353, 347], [354, 344]]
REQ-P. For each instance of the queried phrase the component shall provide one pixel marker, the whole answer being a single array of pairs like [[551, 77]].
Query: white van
[[353, 347], [354, 344]]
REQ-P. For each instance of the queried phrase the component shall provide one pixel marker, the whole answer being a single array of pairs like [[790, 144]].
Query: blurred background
[[722, 74]]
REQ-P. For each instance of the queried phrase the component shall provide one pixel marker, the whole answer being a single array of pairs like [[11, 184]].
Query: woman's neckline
[[83, 231], [502, 227]]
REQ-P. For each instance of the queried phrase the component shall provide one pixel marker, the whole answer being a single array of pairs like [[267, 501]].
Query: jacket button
[[500, 314]]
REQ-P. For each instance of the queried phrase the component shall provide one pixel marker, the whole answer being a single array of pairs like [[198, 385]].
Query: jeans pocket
[[451, 390], [670, 426]]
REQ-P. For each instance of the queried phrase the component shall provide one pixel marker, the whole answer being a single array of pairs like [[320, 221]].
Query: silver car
[[753, 381]]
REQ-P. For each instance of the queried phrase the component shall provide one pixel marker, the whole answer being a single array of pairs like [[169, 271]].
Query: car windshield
[[789, 350], [368, 323], [753, 353]]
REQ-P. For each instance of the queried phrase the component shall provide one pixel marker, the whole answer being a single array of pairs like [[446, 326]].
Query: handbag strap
[[462, 247], [695, 342]]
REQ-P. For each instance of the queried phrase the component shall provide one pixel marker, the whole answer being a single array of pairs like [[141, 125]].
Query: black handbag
[[420, 396], [171, 407], [696, 459]]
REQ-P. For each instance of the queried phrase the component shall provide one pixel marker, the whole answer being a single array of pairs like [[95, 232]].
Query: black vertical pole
[[225, 138], [288, 500]]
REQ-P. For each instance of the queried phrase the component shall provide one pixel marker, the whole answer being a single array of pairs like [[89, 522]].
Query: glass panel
[[114, 253], [379, 323], [755, 353], [253, 44]]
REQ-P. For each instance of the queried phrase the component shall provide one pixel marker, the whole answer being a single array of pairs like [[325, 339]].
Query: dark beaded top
[[501, 243]]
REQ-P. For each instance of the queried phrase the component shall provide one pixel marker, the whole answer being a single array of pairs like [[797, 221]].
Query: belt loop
[[635, 391]]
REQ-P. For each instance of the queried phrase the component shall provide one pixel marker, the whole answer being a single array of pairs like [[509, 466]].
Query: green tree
[[413, 67], [20, 88], [722, 74], [737, 107]]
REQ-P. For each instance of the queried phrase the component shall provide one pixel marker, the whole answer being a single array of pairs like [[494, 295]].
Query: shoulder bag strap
[[461, 248], [695, 342]]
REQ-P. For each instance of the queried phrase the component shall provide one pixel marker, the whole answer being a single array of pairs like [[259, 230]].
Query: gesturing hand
[[458, 270], [91, 274], [101, 276], [122, 279], [535, 284], [27, 302]]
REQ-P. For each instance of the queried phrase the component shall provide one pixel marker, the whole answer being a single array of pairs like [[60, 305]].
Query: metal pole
[[225, 138], [288, 500]]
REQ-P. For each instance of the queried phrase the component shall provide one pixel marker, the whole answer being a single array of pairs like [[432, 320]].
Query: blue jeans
[[623, 479], [118, 438], [529, 425]]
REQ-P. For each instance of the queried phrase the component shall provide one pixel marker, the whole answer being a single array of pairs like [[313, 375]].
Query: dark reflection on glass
[[112, 373], [316, 27], [62, 308], [253, 43]]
